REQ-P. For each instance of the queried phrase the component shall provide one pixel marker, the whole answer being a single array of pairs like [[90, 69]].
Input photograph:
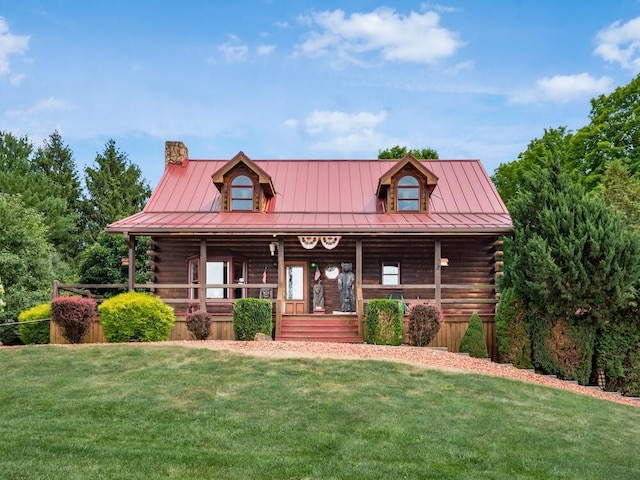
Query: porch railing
[[429, 290]]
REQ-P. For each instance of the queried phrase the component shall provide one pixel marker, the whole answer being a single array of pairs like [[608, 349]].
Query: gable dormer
[[243, 185], [407, 186]]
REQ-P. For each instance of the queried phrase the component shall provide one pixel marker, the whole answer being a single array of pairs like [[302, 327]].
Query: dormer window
[[408, 194], [241, 193]]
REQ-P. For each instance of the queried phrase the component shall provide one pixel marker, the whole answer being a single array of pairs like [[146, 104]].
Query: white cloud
[[10, 44], [365, 140], [340, 132], [42, 106], [564, 88], [234, 51], [265, 49], [620, 43], [291, 123], [321, 121], [414, 38]]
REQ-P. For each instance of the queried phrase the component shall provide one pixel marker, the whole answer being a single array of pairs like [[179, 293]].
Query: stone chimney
[[175, 153]]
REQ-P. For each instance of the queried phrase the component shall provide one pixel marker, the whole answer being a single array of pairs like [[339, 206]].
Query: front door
[[295, 288]]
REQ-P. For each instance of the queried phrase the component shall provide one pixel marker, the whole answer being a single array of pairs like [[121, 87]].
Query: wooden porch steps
[[320, 328]]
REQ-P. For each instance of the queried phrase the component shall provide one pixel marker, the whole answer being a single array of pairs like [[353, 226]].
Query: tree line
[[52, 220]]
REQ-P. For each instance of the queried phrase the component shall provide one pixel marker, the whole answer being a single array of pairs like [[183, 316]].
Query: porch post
[[202, 275], [437, 268], [281, 288], [131, 268], [359, 297]]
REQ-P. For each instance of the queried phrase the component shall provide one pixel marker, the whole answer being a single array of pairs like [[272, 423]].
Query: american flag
[[316, 276], [264, 275]]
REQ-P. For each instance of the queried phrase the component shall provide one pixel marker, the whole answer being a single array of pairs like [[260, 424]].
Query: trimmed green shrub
[[136, 317], [35, 332], [512, 333], [199, 323], [425, 321], [74, 316], [473, 341], [384, 320], [617, 343], [251, 316]]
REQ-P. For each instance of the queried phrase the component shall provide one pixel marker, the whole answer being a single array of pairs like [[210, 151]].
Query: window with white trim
[[219, 272], [390, 273]]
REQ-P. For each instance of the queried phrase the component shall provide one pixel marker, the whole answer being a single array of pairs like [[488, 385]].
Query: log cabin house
[[412, 229]]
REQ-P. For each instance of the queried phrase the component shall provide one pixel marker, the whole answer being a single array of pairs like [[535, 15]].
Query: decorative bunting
[[308, 241], [330, 242]]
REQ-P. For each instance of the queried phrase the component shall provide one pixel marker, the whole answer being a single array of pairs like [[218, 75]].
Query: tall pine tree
[[115, 189], [54, 161]]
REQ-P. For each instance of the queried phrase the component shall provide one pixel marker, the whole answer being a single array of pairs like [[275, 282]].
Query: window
[[219, 273], [390, 274], [242, 193], [408, 194]]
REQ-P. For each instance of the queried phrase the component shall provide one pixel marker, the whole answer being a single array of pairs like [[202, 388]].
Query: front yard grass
[[138, 411]]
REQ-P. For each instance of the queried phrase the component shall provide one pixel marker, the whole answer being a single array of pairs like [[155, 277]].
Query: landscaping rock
[[262, 337]]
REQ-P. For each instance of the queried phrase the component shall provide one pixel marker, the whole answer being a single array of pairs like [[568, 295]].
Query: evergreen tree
[[509, 178], [473, 341], [101, 262], [54, 161], [622, 193], [19, 176], [115, 189], [573, 263]]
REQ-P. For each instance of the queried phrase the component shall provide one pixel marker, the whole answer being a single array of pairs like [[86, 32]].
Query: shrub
[[631, 384], [199, 323], [564, 348], [35, 332], [425, 321], [384, 321], [473, 341], [74, 316], [136, 317], [617, 343], [512, 334], [251, 316]]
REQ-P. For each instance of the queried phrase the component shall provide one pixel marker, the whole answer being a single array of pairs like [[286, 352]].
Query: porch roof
[[308, 223], [314, 196]]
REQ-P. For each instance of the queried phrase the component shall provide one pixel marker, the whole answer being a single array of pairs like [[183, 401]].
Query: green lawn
[[172, 412]]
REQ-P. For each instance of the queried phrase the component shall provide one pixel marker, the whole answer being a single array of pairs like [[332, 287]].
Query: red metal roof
[[333, 196]]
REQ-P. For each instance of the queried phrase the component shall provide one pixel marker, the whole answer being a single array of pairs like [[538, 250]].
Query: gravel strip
[[422, 357]]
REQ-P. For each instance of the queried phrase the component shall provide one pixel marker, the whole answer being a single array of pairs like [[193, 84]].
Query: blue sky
[[308, 78]]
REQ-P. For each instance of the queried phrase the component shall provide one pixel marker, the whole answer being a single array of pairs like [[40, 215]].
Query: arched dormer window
[[241, 193], [408, 194]]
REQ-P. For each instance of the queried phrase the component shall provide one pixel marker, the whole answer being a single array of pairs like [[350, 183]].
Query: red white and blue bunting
[[309, 242], [330, 242]]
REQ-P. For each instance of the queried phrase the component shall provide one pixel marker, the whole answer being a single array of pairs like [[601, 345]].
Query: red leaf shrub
[[199, 323], [425, 321], [74, 316]]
